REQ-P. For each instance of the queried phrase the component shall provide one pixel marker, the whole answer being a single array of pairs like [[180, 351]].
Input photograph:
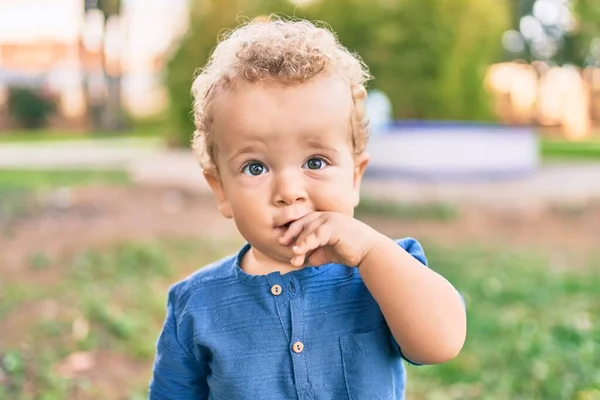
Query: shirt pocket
[[369, 362]]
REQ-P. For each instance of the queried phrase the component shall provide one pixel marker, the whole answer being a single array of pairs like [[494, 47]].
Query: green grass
[[119, 293], [143, 131], [19, 179], [534, 332], [19, 189], [405, 211], [552, 149]]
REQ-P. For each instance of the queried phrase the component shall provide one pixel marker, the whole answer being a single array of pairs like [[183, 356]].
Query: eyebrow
[[245, 150], [315, 144], [312, 143]]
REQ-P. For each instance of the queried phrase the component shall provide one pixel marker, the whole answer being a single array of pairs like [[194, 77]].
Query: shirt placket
[[291, 314]]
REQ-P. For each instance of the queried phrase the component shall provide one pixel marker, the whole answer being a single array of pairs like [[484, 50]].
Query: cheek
[[247, 217], [337, 194], [247, 201]]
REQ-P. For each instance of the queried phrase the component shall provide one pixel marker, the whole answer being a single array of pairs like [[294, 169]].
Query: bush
[[429, 57], [30, 108]]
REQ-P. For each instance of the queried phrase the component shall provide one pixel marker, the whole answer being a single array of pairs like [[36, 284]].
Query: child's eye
[[315, 163], [254, 169]]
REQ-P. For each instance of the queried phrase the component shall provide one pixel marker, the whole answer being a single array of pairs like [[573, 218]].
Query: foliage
[[29, 107], [589, 26], [109, 7], [574, 47], [429, 56]]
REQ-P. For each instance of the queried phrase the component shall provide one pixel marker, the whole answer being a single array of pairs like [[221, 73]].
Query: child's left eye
[[315, 163]]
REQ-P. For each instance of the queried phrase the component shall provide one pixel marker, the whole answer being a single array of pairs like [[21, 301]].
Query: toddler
[[316, 305]]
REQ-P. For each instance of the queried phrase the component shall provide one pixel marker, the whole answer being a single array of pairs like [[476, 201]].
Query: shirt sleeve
[[178, 373], [414, 248]]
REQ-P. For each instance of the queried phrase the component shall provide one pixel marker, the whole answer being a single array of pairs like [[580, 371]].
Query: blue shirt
[[316, 333]]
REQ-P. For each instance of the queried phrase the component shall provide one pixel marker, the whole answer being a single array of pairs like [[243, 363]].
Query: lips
[[286, 223]]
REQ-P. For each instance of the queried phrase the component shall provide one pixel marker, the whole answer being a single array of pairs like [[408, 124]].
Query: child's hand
[[328, 237]]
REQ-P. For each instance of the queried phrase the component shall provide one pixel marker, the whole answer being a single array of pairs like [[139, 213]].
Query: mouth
[[286, 225]]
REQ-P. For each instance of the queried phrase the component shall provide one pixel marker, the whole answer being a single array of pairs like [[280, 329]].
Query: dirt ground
[[67, 221], [98, 216]]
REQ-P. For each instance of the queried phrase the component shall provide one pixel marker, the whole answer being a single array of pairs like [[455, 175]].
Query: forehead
[[318, 109]]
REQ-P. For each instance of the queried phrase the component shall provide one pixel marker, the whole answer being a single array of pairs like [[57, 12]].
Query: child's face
[[283, 151]]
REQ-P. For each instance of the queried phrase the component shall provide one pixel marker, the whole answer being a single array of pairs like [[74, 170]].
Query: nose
[[288, 188]]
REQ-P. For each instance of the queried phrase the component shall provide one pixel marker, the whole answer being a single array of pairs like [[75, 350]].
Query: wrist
[[376, 243]]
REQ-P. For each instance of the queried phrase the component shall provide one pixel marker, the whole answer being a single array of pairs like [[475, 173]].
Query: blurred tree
[[109, 7], [111, 116], [30, 108], [572, 45], [429, 56], [114, 115], [209, 18], [589, 29]]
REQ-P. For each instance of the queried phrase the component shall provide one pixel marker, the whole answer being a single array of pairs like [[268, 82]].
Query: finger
[[297, 261], [324, 236], [302, 253], [308, 243], [309, 230], [297, 227]]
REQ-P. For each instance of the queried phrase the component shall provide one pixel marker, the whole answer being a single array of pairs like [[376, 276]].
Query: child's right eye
[[254, 169]]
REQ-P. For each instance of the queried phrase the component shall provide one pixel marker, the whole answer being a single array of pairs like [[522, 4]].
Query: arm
[[177, 374], [423, 310]]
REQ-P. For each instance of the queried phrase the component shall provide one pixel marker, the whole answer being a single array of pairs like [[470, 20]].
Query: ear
[[360, 165], [214, 181]]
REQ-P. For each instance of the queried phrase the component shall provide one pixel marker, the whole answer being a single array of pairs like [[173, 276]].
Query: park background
[[491, 114]]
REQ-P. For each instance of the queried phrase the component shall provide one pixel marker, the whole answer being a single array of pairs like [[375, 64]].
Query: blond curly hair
[[288, 51]]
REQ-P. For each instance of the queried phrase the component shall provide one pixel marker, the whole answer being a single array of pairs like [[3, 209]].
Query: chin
[[274, 251], [282, 254]]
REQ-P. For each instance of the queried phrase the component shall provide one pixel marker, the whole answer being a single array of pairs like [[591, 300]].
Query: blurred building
[[56, 46], [151, 28], [548, 95], [39, 47]]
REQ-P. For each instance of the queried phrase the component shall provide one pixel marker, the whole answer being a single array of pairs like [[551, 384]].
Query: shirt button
[[276, 290], [298, 347]]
